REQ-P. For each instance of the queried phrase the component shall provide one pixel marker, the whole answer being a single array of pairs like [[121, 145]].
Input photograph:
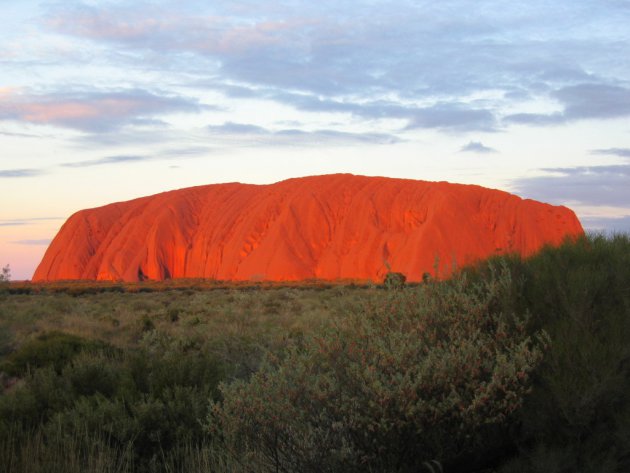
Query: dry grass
[[252, 315]]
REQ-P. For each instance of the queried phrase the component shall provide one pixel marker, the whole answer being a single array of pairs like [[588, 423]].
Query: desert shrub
[[421, 374], [159, 400], [82, 290], [166, 361], [54, 349], [6, 341], [145, 323], [5, 277], [394, 280], [43, 393], [273, 305], [579, 409], [18, 289], [151, 425], [91, 374], [148, 401], [173, 313], [5, 274]]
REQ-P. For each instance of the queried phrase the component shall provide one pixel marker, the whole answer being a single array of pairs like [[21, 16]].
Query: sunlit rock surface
[[324, 227]]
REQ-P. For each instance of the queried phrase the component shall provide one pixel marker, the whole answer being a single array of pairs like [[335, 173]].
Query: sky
[[104, 101]]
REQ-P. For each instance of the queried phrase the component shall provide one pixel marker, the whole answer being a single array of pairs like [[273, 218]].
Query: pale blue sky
[[103, 101]]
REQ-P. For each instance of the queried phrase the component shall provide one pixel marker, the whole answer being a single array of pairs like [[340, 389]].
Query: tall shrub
[[432, 373], [577, 418]]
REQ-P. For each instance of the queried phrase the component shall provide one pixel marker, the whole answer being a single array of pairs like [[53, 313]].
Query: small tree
[[394, 280], [6, 274]]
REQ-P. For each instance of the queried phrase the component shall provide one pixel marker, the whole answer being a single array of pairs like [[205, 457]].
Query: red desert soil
[[324, 227]]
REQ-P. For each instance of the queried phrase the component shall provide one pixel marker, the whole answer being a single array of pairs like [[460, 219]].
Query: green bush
[[148, 401], [91, 374], [6, 341], [579, 409], [5, 277], [5, 274], [430, 373], [394, 280], [146, 324], [54, 349], [173, 314]]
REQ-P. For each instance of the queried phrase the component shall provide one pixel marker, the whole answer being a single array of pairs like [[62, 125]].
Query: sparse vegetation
[[436, 373], [394, 280], [5, 276], [511, 366]]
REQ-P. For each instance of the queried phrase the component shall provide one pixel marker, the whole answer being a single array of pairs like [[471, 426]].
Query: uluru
[[329, 227]]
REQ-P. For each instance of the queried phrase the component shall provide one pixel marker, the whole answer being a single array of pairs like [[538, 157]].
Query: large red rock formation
[[325, 227]]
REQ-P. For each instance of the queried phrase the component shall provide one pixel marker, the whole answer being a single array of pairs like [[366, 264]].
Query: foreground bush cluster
[[434, 373], [511, 366]]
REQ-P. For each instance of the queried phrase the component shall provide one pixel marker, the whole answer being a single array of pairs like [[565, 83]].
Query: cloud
[[188, 151], [129, 135], [536, 119], [477, 147], [9, 223], [161, 155], [428, 60], [26, 221], [231, 128], [154, 28], [93, 111], [621, 152], [334, 137], [42, 242], [106, 160], [250, 135], [581, 102], [18, 173], [185, 152], [372, 109], [594, 185], [607, 225], [594, 101], [22, 135], [454, 116]]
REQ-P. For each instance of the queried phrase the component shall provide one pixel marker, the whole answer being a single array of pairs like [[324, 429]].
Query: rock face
[[324, 227]]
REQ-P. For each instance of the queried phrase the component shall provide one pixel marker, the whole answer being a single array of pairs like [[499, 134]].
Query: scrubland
[[510, 366]]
